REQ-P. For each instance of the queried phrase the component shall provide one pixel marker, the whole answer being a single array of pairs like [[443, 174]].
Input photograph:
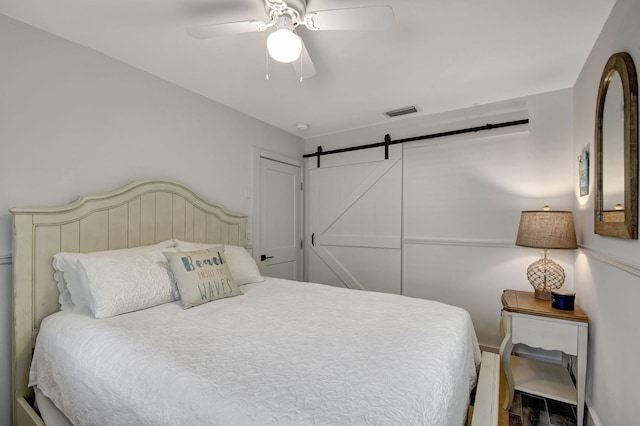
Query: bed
[[277, 352]]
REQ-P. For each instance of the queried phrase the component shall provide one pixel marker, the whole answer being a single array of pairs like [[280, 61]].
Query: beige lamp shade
[[547, 230]]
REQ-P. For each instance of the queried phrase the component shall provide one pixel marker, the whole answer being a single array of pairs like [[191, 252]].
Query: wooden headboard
[[142, 213]]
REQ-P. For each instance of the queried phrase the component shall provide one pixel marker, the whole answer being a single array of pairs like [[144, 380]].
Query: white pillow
[[120, 284], [72, 294], [241, 265]]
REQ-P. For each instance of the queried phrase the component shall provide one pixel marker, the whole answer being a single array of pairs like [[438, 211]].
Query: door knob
[[264, 257]]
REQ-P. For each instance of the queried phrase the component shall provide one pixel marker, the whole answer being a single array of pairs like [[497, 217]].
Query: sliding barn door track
[[387, 139]]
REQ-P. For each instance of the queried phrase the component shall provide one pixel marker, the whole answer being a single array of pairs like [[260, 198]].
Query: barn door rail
[[388, 141]]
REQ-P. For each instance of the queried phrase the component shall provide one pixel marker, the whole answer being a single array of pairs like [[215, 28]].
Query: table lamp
[[546, 230]]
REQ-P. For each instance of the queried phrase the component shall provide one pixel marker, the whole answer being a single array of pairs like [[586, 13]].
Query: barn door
[[354, 230]]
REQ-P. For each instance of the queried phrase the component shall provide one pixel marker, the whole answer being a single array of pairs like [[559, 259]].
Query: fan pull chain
[[266, 75], [301, 77]]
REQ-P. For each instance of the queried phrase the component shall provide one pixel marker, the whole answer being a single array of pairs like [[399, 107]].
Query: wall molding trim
[[591, 413], [458, 242], [5, 258], [626, 265]]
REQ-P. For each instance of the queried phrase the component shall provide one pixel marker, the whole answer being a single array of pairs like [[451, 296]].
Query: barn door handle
[[313, 239], [264, 257]]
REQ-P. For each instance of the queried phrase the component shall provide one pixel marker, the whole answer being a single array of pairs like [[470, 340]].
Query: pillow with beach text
[[241, 265], [202, 276]]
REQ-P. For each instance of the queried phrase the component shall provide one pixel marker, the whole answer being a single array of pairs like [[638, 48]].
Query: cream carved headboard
[[142, 213]]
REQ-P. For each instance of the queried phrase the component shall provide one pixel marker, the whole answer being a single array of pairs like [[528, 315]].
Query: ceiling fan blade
[[304, 66], [355, 19], [226, 29]]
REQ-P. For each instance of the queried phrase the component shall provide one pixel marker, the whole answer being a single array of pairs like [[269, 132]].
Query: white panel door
[[280, 249], [354, 233]]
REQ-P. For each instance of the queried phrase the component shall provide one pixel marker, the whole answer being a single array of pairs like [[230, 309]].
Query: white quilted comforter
[[284, 353]]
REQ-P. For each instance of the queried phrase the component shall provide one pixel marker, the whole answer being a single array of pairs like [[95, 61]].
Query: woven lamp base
[[545, 275]]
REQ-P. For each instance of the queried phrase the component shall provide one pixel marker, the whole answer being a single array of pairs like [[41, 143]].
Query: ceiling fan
[[283, 44]]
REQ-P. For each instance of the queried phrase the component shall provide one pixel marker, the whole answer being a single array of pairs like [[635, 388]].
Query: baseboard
[[590, 415], [492, 349]]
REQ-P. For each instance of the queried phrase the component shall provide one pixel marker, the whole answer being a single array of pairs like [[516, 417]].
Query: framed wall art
[[583, 171]]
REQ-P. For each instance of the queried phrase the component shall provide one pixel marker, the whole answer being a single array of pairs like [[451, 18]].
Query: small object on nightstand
[[563, 299]]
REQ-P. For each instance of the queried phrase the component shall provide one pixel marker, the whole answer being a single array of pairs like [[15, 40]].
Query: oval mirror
[[616, 150]]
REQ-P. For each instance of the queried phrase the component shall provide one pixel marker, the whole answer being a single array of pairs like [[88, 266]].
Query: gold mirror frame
[[622, 64]]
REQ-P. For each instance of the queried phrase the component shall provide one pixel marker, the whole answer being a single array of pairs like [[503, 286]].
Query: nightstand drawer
[[545, 333]]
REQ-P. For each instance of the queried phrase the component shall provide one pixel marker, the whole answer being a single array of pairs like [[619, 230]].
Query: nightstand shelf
[[543, 379], [535, 323]]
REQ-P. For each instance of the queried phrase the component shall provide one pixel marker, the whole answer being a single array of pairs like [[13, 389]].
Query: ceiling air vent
[[401, 111]]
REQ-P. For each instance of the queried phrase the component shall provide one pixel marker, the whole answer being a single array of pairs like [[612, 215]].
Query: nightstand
[[535, 323]]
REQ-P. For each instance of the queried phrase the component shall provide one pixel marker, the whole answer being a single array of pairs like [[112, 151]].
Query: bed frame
[[142, 213]]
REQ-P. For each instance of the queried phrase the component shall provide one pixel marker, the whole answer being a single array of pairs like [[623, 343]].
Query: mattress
[[285, 352]]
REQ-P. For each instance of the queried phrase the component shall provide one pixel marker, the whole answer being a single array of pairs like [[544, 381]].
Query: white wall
[[73, 121], [463, 196], [607, 293], [5, 338]]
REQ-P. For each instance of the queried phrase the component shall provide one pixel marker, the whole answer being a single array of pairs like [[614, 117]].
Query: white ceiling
[[439, 55]]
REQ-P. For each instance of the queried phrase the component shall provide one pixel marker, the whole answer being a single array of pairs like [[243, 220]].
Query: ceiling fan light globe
[[284, 45]]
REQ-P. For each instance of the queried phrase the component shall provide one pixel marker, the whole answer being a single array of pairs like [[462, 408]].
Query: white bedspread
[[285, 353]]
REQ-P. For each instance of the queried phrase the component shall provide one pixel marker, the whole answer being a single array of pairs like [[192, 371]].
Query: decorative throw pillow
[[241, 265], [202, 276]]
